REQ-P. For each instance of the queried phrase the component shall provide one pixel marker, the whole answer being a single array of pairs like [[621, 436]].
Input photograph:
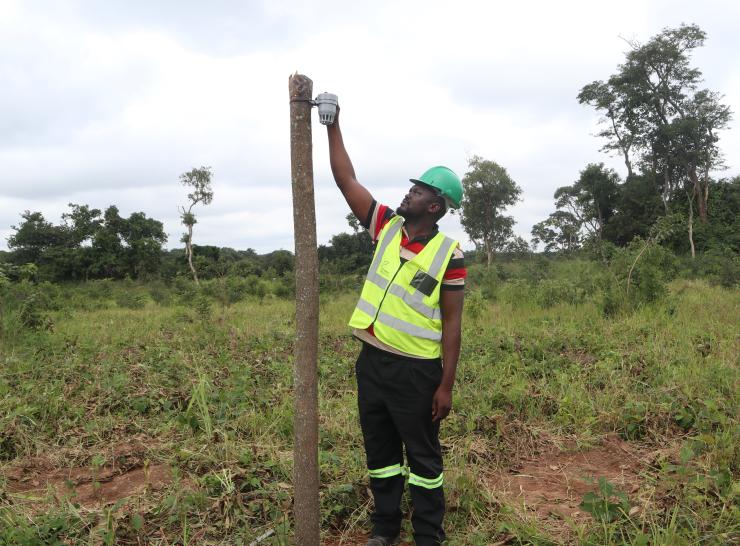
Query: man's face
[[417, 202]]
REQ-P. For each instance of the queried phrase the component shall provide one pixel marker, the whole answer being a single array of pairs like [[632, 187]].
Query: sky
[[107, 103]]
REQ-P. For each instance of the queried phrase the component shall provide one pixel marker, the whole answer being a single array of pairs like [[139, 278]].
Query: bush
[[202, 306], [32, 313], [640, 273], [129, 299], [285, 286], [159, 293], [550, 292], [100, 289], [719, 266], [611, 300], [515, 292], [485, 279], [185, 289], [475, 305]]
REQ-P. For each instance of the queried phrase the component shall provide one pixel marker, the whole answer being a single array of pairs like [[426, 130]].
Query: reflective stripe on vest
[[403, 316], [408, 328], [415, 299], [372, 275]]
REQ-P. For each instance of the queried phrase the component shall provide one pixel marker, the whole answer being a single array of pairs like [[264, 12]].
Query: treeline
[[656, 117], [601, 207], [90, 244], [665, 127]]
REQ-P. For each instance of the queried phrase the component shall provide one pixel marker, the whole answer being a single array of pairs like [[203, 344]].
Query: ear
[[434, 207]]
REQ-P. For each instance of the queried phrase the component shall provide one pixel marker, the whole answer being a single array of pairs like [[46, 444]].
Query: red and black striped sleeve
[[377, 217], [454, 277]]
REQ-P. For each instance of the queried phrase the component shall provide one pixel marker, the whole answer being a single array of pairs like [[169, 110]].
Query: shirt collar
[[421, 238]]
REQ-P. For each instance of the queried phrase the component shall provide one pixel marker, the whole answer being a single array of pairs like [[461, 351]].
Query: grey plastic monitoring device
[[327, 103]]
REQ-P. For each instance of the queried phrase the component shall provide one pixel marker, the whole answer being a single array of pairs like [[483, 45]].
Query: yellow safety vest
[[401, 301]]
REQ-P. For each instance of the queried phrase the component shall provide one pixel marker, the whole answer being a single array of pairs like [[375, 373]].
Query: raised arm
[[356, 195]]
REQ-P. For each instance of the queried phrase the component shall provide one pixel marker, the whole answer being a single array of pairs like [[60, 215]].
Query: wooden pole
[[306, 420]]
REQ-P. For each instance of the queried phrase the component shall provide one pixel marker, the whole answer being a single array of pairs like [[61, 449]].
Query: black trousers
[[395, 402]]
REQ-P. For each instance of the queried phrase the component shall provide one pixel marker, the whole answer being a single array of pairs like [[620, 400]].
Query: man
[[408, 319]]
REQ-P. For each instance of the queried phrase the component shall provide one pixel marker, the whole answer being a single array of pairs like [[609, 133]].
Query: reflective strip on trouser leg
[[426, 483], [387, 472]]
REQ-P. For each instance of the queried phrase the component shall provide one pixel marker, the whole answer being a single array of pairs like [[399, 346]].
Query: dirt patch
[[119, 472], [553, 483]]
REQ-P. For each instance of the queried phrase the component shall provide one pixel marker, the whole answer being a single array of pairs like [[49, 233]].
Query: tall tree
[[33, 237], [143, 238], [108, 249], [638, 206], [81, 223], [620, 117], [199, 179], [657, 111], [591, 199], [488, 190], [559, 232]]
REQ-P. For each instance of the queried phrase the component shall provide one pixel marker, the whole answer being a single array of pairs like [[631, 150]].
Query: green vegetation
[[549, 362], [596, 400]]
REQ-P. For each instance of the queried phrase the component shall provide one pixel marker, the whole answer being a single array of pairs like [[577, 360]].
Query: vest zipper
[[386, 293]]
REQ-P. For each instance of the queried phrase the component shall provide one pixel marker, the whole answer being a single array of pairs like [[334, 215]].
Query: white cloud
[[107, 103]]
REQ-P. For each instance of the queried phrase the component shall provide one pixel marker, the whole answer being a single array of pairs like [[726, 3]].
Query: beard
[[406, 213]]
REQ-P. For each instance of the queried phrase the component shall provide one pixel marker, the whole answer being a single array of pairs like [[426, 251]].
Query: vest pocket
[[424, 282]]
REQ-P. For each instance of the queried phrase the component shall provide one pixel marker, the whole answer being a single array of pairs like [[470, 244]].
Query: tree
[[87, 243], [656, 110], [560, 232], [637, 208], [620, 116], [33, 237], [488, 190], [348, 253], [108, 250], [517, 246], [80, 223], [592, 199], [200, 180], [143, 238]]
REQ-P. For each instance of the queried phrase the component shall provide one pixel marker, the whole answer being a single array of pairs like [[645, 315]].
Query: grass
[[209, 394]]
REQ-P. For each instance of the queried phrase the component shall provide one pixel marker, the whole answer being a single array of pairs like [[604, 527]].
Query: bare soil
[[552, 484], [125, 473]]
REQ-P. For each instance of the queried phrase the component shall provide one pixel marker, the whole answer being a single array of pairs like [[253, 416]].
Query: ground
[[168, 425]]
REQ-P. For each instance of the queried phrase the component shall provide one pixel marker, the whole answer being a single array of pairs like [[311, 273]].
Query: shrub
[[159, 293], [720, 266], [129, 299], [100, 289], [551, 292], [611, 300], [639, 275], [475, 305], [185, 289], [285, 286], [202, 305], [515, 292], [486, 279], [32, 313]]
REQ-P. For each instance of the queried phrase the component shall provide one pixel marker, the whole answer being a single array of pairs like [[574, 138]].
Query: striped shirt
[[378, 217], [453, 279]]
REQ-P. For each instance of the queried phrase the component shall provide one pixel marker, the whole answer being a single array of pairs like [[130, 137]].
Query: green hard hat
[[445, 181]]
